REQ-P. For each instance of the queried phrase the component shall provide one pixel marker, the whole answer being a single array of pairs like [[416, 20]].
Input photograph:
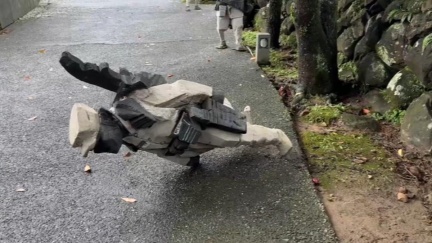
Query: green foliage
[[288, 41], [394, 116], [278, 67], [324, 113], [292, 13], [426, 42], [348, 71], [249, 38], [402, 14]]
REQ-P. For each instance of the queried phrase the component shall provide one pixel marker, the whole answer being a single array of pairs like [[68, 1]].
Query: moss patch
[[322, 113], [333, 158], [279, 67]]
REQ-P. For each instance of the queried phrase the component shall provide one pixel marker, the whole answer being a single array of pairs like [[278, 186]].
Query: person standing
[[231, 12], [197, 7]]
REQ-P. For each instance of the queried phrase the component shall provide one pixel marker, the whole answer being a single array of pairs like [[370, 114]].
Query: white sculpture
[[177, 121]]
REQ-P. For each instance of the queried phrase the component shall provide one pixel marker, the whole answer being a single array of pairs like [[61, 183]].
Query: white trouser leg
[[222, 24], [187, 3], [237, 25]]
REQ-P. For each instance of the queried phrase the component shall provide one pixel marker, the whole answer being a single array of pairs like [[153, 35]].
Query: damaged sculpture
[[177, 121]]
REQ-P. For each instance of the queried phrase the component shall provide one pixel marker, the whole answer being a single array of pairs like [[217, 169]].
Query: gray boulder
[[419, 60], [376, 101], [416, 127], [373, 31], [419, 26], [348, 39], [261, 3], [287, 26], [372, 72], [403, 88], [344, 5], [391, 46], [360, 122]]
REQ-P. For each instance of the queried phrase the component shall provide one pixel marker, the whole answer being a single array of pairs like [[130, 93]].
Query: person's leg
[[237, 25], [222, 26], [187, 5], [236, 17], [197, 7]]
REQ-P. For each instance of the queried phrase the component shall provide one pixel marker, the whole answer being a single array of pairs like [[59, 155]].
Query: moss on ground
[[278, 66], [323, 113], [337, 158]]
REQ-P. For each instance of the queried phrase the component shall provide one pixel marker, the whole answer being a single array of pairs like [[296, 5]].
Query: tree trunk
[[274, 22], [317, 52]]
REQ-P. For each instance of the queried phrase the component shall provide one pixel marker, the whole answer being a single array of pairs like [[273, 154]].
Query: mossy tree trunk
[[317, 51], [274, 22]]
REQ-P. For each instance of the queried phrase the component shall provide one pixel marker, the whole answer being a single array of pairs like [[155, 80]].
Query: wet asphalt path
[[238, 195]]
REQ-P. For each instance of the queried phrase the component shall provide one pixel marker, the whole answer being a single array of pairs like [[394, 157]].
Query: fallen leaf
[[370, 176], [27, 77], [85, 87], [366, 111], [127, 155], [51, 69], [360, 160], [315, 181], [42, 51], [253, 58], [5, 31], [170, 75], [20, 190], [30, 98], [402, 197], [400, 153], [87, 169], [262, 76], [129, 200], [32, 118]]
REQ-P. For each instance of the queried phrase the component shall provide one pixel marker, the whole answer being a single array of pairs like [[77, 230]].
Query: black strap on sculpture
[[215, 114], [130, 110], [111, 133], [186, 132]]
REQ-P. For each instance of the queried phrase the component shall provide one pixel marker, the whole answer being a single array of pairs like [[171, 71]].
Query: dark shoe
[[197, 7], [240, 49], [223, 45], [188, 9]]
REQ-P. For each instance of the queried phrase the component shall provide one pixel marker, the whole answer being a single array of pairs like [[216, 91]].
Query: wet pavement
[[238, 195]]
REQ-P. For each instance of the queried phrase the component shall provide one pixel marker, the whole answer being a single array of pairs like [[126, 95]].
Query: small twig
[[250, 51]]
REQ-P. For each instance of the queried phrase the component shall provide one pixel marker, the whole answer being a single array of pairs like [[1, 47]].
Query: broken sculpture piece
[[177, 121]]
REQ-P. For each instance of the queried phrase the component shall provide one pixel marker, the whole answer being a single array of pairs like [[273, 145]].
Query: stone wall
[[11, 10]]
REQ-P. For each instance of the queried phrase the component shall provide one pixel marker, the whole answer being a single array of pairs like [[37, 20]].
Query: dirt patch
[[362, 216]]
